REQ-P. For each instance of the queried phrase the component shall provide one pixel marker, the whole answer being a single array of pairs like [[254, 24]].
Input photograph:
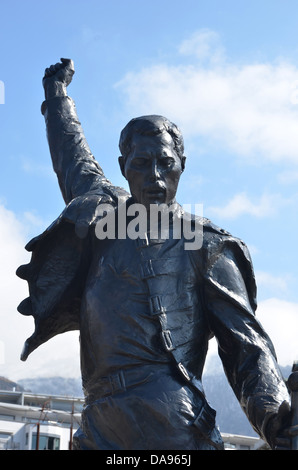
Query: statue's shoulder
[[216, 241], [210, 230]]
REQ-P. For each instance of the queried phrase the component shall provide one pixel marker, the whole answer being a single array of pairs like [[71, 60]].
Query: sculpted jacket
[[216, 293]]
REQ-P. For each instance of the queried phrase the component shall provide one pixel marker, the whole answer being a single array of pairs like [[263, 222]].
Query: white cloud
[[248, 108], [280, 320], [266, 206], [288, 177], [274, 283], [59, 356], [204, 45], [33, 220], [13, 325]]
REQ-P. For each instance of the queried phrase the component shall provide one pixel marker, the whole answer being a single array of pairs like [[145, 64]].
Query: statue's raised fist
[[62, 72]]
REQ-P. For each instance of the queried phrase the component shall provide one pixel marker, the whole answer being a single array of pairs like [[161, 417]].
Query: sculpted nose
[[154, 175]]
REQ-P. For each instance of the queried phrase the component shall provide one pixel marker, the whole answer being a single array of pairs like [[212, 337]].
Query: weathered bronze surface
[[145, 306]]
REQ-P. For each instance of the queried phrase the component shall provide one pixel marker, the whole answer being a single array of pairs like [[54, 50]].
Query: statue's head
[[152, 159]]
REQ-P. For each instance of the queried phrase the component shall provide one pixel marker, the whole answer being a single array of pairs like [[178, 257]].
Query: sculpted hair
[[150, 126]]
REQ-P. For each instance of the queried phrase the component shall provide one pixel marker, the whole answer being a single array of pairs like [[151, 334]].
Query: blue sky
[[225, 71]]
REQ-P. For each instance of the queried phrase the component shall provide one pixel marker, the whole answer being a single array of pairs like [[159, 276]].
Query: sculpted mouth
[[155, 190]]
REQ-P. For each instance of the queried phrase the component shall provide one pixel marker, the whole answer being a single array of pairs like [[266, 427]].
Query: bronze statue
[[145, 306]]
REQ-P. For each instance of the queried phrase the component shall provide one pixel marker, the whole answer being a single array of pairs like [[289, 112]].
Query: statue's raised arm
[[59, 260], [77, 170]]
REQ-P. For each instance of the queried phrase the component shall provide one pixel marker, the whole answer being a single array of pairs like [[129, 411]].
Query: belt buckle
[[117, 382]]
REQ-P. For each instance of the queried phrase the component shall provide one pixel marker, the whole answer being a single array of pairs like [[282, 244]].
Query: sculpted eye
[[140, 161], [166, 162]]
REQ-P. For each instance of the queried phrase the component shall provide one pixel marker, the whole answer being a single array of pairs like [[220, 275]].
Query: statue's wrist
[[54, 89]]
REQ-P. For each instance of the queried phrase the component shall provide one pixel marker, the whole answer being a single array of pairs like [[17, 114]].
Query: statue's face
[[152, 169]]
